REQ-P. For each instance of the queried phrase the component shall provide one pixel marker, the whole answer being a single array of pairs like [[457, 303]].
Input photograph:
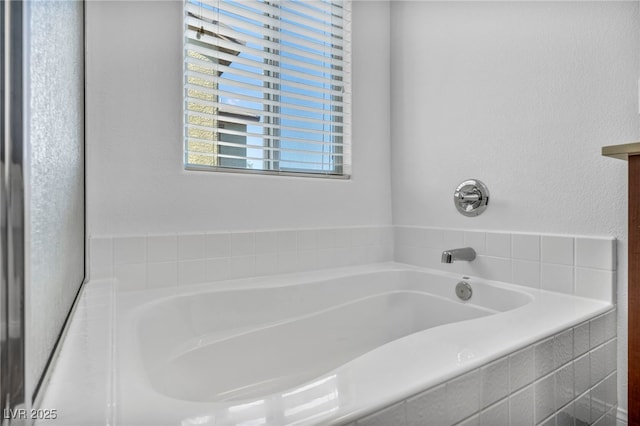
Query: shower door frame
[[17, 396]]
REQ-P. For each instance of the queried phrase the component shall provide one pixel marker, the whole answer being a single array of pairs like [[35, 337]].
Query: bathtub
[[324, 347]]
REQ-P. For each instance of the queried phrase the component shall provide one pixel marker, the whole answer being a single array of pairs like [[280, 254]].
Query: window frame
[[341, 171]]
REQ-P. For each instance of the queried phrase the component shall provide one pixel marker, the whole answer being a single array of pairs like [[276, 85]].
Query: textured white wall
[[521, 95], [135, 179]]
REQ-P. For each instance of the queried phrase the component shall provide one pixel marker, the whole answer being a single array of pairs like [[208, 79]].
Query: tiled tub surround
[[151, 261], [584, 266], [566, 379]]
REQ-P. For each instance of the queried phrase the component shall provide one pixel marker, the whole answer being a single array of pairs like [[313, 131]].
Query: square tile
[[595, 253], [129, 250], [265, 242], [521, 407], [427, 408], [526, 273], [162, 248], [308, 239], [496, 415], [463, 396], [562, 348], [598, 364], [453, 238], [266, 264], [191, 246], [582, 374], [242, 244], [581, 339], [242, 267], [476, 240], [544, 397], [610, 324], [566, 416], [394, 415], [596, 331], [130, 276], [218, 245], [192, 271], [525, 247], [287, 241], [163, 274], [521, 368], [557, 250], [564, 385], [556, 278], [498, 244], [595, 284], [494, 382], [342, 237], [434, 238], [543, 358], [100, 257], [583, 409], [218, 269]]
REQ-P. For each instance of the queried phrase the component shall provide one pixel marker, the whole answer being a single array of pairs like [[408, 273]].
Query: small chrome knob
[[471, 197]]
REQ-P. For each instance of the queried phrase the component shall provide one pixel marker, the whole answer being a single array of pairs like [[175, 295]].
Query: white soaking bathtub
[[316, 348]]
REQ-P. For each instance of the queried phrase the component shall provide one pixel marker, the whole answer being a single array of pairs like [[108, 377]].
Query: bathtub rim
[[129, 300]]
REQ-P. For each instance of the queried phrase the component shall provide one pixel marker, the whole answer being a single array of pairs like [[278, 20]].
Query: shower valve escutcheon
[[466, 253]]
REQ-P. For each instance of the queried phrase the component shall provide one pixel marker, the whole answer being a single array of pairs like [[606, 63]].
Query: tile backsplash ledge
[[152, 261], [583, 266]]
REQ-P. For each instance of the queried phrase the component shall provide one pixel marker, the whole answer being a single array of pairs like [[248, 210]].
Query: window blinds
[[267, 85]]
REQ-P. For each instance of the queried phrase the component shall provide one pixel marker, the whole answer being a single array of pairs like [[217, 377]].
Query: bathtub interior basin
[[239, 344]]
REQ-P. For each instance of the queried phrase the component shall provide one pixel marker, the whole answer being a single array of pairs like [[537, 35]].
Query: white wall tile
[[287, 241], [521, 407], [596, 331], [564, 385], [163, 274], [557, 250], [543, 357], [595, 284], [525, 247], [218, 269], [498, 269], [582, 374], [494, 382], [595, 253], [556, 278], [131, 276], [162, 248], [265, 242], [434, 238], [191, 246], [326, 239], [308, 239], [498, 244], [598, 401], [476, 240], [526, 273], [266, 264], [566, 416], [394, 415], [342, 237], [583, 408], [544, 397], [562, 348], [308, 259], [242, 267], [598, 364], [427, 408], [100, 257], [129, 250], [242, 244], [359, 237], [610, 324], [218, 245], [192, 271], [581, 339], [453, 239], [496, 415], [471, 421], [463, 396], [521, 368], [288, 262]]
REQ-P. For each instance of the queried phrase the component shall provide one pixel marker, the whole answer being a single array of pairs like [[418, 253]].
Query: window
[[267, 86]]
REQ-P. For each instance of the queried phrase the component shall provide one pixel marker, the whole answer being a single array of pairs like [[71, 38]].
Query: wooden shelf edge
[[621, 152]]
